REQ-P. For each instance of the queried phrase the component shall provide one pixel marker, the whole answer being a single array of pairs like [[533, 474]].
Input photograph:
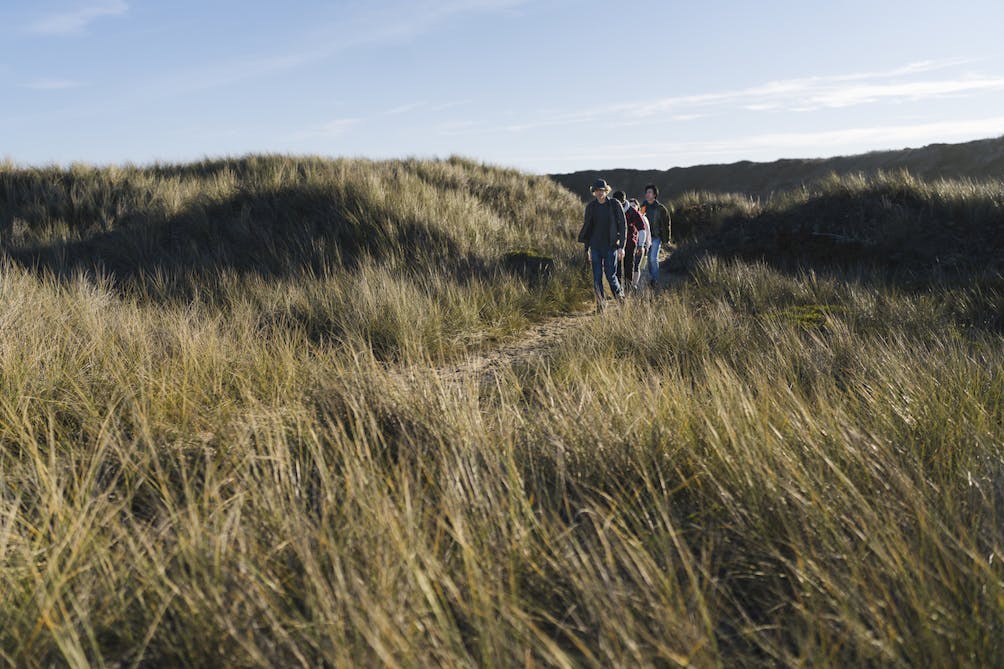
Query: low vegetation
[[240, 452], [346, 251], [892, 222]]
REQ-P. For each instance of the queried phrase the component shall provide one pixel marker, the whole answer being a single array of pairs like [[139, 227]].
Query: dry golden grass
[[214, 466]]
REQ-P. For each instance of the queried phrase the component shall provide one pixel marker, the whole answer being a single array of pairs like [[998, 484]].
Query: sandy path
[[533, 344]]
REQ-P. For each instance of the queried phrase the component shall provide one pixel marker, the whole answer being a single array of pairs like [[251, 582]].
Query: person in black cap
[[602, 234]]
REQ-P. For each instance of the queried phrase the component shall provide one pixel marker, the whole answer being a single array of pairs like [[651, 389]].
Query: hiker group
[[619, 233]]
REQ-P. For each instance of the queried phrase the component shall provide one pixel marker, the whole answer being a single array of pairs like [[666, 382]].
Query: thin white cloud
[[806, 94], [832, 92], [450, 105], [52, 84], [375, 25], [885, 135], [791, 144], [340, 126], [850, 96], [453, 128], [76, 20], [404, 109], [327, 130], [426, 106]]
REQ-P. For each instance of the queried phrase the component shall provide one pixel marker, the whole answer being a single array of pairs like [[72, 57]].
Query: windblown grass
[[347, 250], [892, 221], [760, 468]]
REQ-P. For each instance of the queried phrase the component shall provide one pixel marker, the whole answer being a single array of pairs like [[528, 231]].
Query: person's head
[[651, 193], [620, 196], [601, 189], [634, 203]]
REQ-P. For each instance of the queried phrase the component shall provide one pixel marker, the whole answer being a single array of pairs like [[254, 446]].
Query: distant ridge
[[979, 159]]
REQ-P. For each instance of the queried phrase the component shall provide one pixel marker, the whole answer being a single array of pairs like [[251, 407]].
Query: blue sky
[[544, 85]]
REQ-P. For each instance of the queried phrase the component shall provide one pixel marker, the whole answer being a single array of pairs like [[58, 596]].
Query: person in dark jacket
[[603, 236], [659, 229]]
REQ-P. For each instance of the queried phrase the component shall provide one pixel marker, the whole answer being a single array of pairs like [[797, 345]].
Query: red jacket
[[635, 222]]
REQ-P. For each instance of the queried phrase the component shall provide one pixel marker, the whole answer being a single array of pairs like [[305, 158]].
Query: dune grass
[[348, 250], [895, 222], [218, 464]]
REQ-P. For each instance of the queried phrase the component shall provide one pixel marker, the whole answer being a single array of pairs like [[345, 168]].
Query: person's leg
[[597, 262], [653, 260], [611, 271], [624, 266], [635, 271]]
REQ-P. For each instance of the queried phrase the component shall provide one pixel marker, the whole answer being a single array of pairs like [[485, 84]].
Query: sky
[[542, 85]]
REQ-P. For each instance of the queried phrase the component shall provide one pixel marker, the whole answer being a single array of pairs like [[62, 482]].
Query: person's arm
[[666, 225], [621, 222], [647, 227]]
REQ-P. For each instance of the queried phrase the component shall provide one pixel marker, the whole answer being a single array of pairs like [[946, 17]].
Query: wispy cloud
[[791, 144], [850, 96], [339, 127], [450, 105], [76, 20], [425, 106], [404, 109], [374, 25], [327, 130], [52, 84], [909, 83], [450, 128], [831, 92]]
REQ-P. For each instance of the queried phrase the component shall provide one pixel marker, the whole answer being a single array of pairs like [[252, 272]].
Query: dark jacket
[[658, 219], [608, 217]]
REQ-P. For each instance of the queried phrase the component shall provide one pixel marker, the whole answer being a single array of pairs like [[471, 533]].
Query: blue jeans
[[653, 259], [604, 262]]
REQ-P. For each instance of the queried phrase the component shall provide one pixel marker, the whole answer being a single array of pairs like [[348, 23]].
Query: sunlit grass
[[211, 466]]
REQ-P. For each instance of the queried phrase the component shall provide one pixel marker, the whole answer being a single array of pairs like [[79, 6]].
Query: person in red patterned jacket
[[641, 248], [628, 270]]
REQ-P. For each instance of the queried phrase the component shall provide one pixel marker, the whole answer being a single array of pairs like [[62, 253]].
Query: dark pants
[[624, 266], [635, 264], [605, 262]]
